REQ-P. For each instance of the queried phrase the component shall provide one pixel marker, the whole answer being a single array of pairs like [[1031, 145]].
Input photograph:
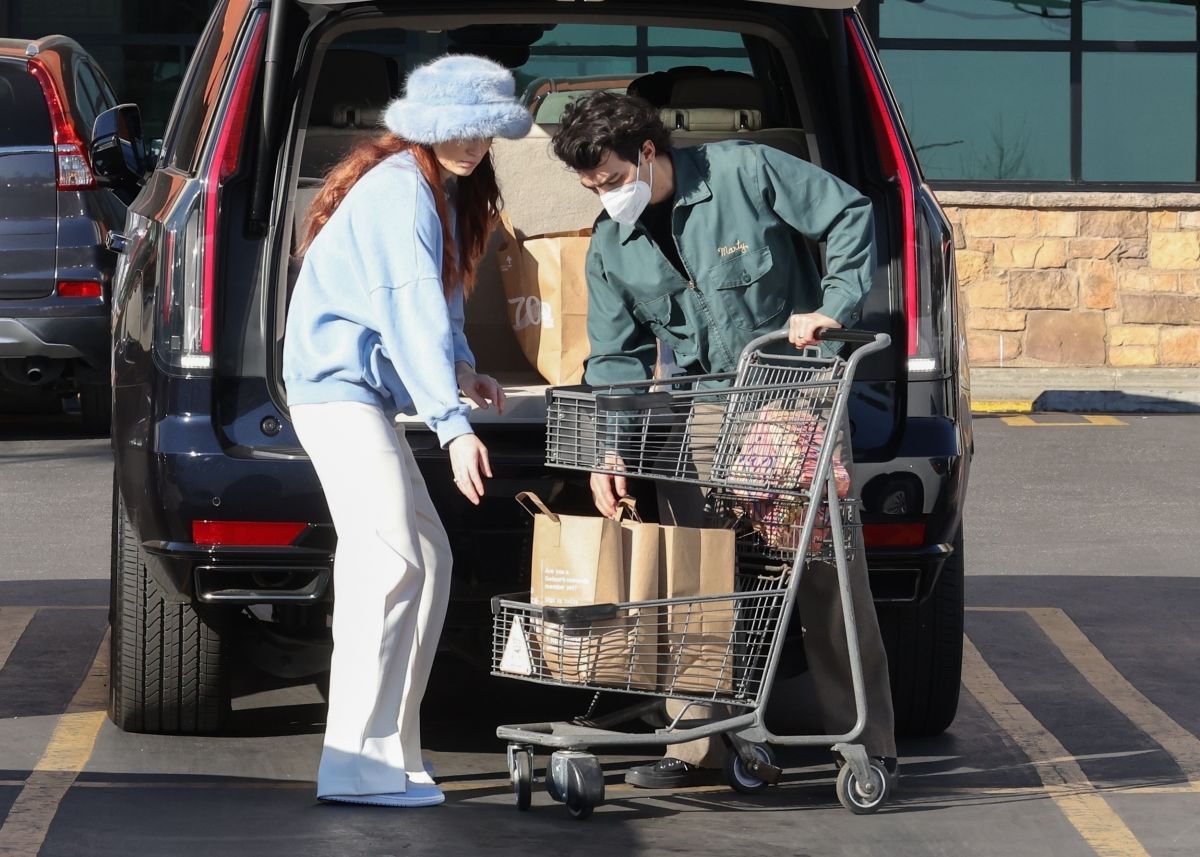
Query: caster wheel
[[578, 807], [521, 772], [863, 798], [577, 780], [742, 780]]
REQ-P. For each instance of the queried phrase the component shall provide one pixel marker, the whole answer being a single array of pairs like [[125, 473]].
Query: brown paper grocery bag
[[697, 653], [580, 561], [640, 556], [545, 284]]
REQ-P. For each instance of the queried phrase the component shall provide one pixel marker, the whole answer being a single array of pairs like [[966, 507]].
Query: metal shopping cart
[[761, 442]]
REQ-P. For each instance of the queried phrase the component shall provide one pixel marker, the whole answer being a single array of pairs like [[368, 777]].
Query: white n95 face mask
[[626, 203]]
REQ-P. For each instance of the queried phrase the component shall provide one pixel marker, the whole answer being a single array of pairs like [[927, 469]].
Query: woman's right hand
[[469, 463]]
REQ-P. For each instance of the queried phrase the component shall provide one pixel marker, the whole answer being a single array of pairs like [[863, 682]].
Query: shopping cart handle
[[841, 334], [585, 614], [497, 600]]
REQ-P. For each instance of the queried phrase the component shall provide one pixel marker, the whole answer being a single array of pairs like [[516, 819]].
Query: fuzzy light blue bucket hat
[[458, 97]]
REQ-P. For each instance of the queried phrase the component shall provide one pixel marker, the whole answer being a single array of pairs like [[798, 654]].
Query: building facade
[[1060, 135]]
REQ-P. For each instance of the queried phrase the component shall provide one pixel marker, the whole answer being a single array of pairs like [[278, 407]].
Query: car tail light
[[71, 160], [894, 535], [79, 289], [895, 163], [247, 533], [224, 163], [186, 320]]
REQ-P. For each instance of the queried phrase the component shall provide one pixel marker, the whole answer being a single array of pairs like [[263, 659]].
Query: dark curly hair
[[604, 121]]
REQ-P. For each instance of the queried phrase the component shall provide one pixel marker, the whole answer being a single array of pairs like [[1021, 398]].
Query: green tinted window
[[588, 34], [578, 65], [975, 19], [696, 38], [1130, 137], [986, 115], [1139, 20]]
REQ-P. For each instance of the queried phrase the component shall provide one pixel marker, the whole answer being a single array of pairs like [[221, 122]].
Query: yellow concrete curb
[[1002, 406]]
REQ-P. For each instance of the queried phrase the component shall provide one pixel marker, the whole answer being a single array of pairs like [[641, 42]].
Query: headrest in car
[[371, 77], [696, 86], [710, 119]]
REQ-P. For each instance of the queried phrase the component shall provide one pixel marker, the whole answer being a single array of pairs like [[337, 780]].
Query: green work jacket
[[740, 215]]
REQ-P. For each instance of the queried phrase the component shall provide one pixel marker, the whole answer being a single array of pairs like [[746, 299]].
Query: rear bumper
[[900, 575], [214, 574], [181, 468], [76, 337], [924, 484]]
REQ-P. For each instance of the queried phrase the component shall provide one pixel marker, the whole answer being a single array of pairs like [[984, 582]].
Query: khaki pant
[[821, 617]]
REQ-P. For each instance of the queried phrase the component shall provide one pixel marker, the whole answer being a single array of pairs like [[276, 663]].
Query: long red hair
[[477, 202]]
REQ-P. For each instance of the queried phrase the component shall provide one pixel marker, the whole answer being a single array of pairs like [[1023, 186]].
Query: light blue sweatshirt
[[369, 321]]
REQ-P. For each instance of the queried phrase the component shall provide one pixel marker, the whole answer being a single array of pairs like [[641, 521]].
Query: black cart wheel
[[863, 798], [579, 806], [522, 777], [742, 780], [576, 779]]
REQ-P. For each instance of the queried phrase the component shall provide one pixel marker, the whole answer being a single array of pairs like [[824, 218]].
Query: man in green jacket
[[703, 248]]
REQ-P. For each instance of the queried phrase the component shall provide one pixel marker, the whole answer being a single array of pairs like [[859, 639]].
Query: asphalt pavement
[[1076, 732]]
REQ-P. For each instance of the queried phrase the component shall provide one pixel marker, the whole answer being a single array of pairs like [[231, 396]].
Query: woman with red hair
[[375, 329]]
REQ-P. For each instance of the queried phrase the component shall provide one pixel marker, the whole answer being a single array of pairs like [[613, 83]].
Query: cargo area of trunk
[[542, 196]]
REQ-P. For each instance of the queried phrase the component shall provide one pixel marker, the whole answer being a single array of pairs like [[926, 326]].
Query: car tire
[[95, 406], [168, 662], [924, 644]]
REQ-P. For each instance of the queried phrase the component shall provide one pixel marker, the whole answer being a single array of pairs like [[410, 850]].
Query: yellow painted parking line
[[24, 829], [1088, 420], [1064, 780], [1001, 406], [1181, 744], [13, 622]]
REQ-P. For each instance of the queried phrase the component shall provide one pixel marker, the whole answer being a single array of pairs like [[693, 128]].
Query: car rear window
[[553, 63], [24, 117]]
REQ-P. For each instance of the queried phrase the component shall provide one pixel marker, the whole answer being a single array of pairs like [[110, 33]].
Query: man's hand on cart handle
[[608, 489], [802, 328]]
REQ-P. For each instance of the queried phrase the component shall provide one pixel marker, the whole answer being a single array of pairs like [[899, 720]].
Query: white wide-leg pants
[[392, 583]]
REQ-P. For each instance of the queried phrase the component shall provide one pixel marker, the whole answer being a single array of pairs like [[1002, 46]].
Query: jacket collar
[[690, 186]]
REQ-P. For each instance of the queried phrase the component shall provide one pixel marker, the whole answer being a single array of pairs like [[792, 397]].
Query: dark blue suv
[[222, 543]]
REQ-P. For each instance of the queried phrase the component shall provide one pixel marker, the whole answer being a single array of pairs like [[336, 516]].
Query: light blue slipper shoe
[[417, 794]]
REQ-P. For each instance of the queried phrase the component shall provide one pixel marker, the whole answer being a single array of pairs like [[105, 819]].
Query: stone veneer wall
[[1079, 279]]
